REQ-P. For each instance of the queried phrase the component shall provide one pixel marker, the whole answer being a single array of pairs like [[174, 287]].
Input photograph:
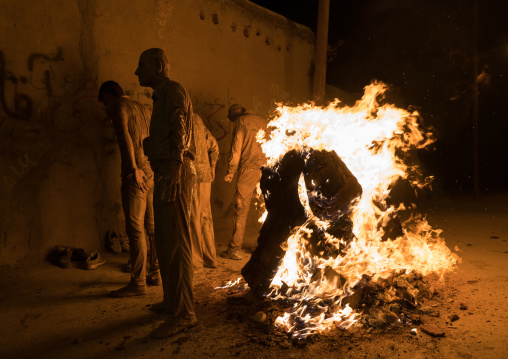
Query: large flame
[[372, 140]]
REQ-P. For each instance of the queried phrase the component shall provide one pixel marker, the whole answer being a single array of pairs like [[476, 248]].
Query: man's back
[[138, 122], [246, 151]]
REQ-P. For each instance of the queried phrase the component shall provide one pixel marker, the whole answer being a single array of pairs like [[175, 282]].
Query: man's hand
[[212, 170], [229, 177], [169, 174], [139, 178]]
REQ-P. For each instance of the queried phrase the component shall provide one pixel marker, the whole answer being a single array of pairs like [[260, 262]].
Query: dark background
[[426, 51]]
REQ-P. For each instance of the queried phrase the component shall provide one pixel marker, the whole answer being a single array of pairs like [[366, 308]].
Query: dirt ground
[[49, 312]]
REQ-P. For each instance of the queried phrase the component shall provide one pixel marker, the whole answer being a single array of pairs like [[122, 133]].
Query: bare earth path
[[48, 312]]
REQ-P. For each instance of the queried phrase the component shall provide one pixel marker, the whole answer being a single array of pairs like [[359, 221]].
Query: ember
[[331, 244]]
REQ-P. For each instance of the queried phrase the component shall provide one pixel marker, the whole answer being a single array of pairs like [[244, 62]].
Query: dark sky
[[424, 49]]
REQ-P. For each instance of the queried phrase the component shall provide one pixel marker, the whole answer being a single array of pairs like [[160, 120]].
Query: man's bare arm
[[121, 125]]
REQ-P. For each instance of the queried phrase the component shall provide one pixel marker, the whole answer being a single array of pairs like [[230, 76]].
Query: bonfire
[[332, 247]]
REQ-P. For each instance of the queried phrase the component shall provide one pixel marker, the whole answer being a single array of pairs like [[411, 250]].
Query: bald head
[[153, 66], [159, 57]]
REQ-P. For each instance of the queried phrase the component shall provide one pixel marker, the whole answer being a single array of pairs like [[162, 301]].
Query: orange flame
[[368, 137]]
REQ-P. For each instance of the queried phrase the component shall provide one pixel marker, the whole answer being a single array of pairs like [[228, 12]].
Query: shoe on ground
[[79, 255], [64, 255], [154, 280], [94, 261], [211, 265], [113, 242], [124, 243], [174, 326], [130, 290], [229, 254]]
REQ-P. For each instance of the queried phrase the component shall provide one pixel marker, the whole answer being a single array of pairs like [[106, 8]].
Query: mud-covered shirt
[[171, 130], [246, 152]]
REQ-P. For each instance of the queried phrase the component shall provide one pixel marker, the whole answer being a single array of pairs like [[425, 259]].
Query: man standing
[[247, 157], [131, 121], [207, 154], [171, 154]]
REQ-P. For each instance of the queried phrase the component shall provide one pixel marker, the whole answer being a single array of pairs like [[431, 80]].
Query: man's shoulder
[[251, 119], [122, 101], [175, 93], [116, 106], [173, 87]]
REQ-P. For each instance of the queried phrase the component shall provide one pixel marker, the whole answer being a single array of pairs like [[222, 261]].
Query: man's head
[[235, 111], [109, 91], [153, 66]]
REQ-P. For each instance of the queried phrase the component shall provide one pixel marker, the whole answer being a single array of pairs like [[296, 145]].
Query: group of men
[[168, 162]]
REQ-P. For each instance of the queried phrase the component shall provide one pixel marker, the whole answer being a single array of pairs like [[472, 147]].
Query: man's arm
[[120, 120], [213, 151], [178, 135], [236, 149]]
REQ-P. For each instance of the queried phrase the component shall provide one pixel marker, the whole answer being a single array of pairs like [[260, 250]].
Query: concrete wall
[[59, 162]]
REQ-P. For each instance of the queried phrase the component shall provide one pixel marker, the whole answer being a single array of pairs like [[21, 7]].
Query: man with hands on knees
[[170, 151], [131, 121]]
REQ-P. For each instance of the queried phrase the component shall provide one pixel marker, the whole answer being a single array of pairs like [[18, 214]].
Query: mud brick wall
[[59, 162]]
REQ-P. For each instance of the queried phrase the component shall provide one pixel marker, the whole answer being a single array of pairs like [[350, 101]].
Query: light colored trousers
[[245, 187], [139, 220], [203, 238]]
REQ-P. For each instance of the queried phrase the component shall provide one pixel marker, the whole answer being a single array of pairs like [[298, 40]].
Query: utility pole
[[476, 161], [321, 52]]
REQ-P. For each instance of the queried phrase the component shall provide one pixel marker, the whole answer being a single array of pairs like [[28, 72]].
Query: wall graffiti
[[215, 126], [72, 116], [40, 78], [23, 106], [22, 167], [62, 104], [48, 74]]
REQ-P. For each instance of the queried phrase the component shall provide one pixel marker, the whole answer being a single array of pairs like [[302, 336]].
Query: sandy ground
[[48, 312]]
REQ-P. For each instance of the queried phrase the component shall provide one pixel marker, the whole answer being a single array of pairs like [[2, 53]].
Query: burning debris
[[331, 249]]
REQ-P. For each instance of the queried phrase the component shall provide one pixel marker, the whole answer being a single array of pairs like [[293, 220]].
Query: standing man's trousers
[[139, 219], [203, 238], [173, 243], [245, 187]]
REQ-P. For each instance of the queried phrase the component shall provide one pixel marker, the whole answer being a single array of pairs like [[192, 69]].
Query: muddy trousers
[[139, 220], [203, 238], [245, 187], [173, 243]]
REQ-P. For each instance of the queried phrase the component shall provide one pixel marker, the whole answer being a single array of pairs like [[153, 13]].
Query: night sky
[[425, 51]]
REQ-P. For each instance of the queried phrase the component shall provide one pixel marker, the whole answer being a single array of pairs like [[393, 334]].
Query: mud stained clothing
[[138, 125], [139, 221], [137, 205], [173, 244], [171, 129], [203, 238], [171, 139], [247, 157], [207, 150], [246, 151], [245, 187]]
